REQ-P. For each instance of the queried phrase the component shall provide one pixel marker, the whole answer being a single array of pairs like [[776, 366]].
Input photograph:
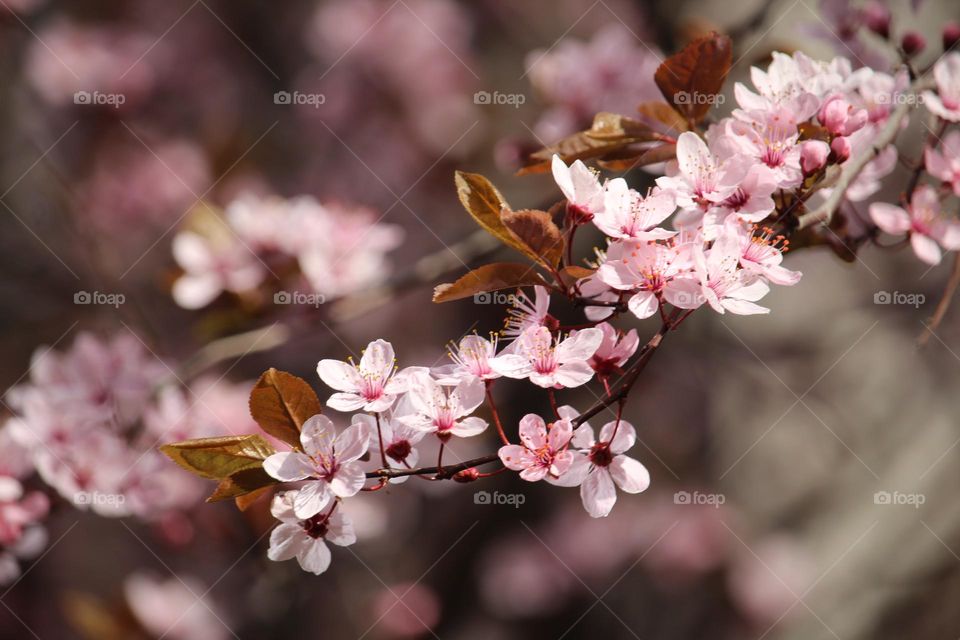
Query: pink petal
[[533, 431], [511, 456], [289, 466], [629, 474], [926, 248], [314, 556], [286, 541], [890, 218], [311, 499], [351, 443], [316, 435], [348, 480], [598, 493]]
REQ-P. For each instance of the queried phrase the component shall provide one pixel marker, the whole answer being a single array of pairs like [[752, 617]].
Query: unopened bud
[[840, 117], [877, 18], [951, 35], [813, 156], [912, 43], [841, 149], [467, 475]]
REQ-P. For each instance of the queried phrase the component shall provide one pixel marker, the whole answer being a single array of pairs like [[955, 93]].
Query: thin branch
[[886, 136], [944, 305], [448, 470]]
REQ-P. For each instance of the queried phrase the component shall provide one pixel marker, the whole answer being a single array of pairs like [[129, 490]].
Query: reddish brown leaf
[[691, 79], [652, 155], [281, 403], [665, 115], [490, 277], [537, 232]]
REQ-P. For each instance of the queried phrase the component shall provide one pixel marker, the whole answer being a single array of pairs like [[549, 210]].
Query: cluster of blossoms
[[90, 418], [710, 233], [21, 535], [332, 249]]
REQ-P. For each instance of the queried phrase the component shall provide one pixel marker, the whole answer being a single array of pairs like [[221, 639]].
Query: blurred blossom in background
[[194, 192]]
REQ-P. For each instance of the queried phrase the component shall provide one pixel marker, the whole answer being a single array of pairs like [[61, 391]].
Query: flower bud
[[467, 475], [840, 117], [877, 18], [951, 35], [813, 156], [840, 147], [912, 43]]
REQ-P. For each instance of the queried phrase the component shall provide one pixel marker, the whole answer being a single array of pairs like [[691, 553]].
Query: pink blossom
[[628, 215], [212, 266], [524, 313], [599, 467], [305, 538], [840, 117], [761, 253], [769, 137], [945, 164], [614, 350], [946, 101], [20, 535], [372, 385], [649, 270], [928, 226], [813, 156], [581, 187], [176, 608], [752, 201], [542, 453], [471, 358], [700, 179], [548, 363], [444, 411], [327, 458], [720, 282], [399, 440]]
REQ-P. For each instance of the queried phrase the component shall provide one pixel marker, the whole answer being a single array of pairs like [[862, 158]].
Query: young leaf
[[652, 155], [691, 79], [610, 132], [242, 483], [482, 201], [218, 458], [665, 115], [489, 277], [281, 402], [536, 231]]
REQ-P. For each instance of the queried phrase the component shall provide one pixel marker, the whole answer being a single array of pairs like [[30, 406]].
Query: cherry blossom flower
[[628, 215], [929, 228], [443, 410], [211, 267], [524, 313], [761, 252], [471, 358], [945, 102], [720, 282], [752, 201], [548, 363], [305, 538], [373, 385], [769, 137], [327, 458], [178, 608], [700, 179], [599, 466], [945, 164], [581, 188], [614, 350], [647, 269], [542, 453], [21, 537], [399, 440]]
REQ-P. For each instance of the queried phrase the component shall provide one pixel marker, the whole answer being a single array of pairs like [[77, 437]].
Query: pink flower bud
[[841, 149], [912, 43], [951, 35], [467, 475], [877, 18], [813, 156], [840, 117]]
